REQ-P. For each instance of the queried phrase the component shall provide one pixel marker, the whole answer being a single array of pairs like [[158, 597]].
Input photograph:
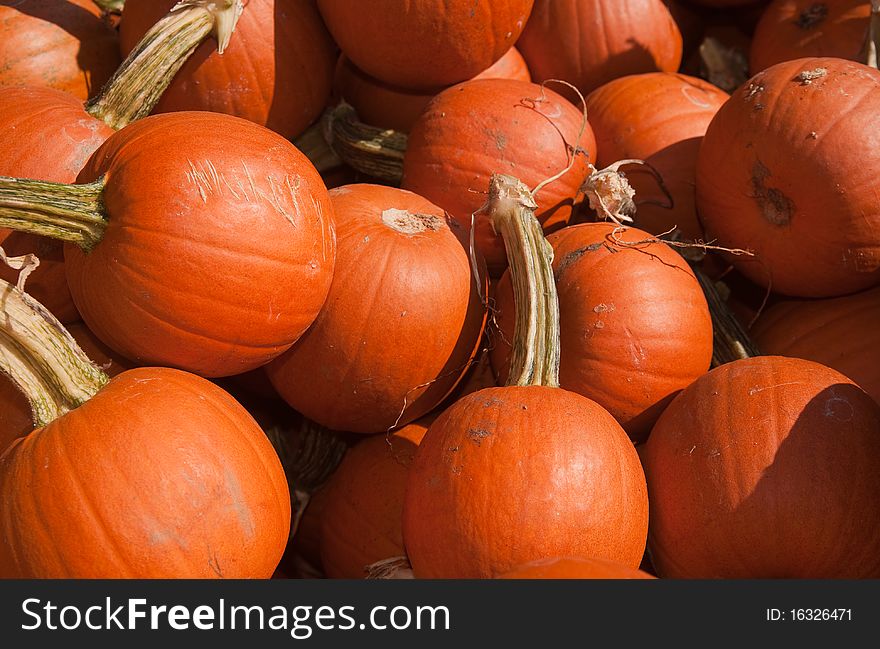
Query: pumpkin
[[49, 134], [575, 568], [401, 323], [591, 42], [660, 118], [203, 241], [424, 45], [795, 29], [470, 130], [379, 104], [838, 332], [513, 474], [277, 71], [634, 325], [176, 477], [61, 44], [786, 170], [767, 467], [363, 508]]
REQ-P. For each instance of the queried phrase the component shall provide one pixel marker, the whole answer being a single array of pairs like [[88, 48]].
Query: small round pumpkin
[[481, 127], [575, 568], [402, 321], [658, 117], [591, 42], [767, 467], [362, 519], [795, 29], [426, 44], [61, 44], [786, 170]]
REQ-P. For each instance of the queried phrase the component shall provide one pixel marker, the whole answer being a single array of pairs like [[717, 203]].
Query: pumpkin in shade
[[660, 118], [794, 29], [472, 130], [401, 324], [385, 106], [202, 241], [513, 474], [591, 42], [363, 511], [841, 333], [61, 44], [49, 134], [427, 44], [786, 169], [179, 479], [635, 327], [767, 467], [575, 568], [277, 71]]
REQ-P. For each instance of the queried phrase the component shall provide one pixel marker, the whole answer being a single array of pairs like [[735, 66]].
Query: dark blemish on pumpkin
[[214, 564], [812, 15], [807, 77], [573, 257], [494, 401], [524, 407], [477, 435], [776, 207], [453, 449]]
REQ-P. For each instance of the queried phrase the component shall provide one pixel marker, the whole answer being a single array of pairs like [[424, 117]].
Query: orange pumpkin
[[401, 323], [575, 568], [767, 467]]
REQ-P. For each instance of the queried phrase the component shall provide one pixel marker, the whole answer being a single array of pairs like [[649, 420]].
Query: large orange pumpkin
[[277, 71], [634, 325], [426, 44], [660, 118], [591, 42], [362, 515], [841, 333], [786, 169], [61, 44], [767, 467], [794, 29], [513, 474], [575, 568], [401, 323], [477, 128]]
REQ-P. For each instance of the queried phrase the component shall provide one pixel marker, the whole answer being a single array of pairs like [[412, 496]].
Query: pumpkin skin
[[402, 321], [660, 118], [276, 72], [166, 505], [575, 568], [767, 467], [751, 196], [591, 42], [839, 332], [515, 474], [203, 232], [426, 44], [621, 344], [477, 128], [363, 510], [61, 44], [794, 29], [385, 106]]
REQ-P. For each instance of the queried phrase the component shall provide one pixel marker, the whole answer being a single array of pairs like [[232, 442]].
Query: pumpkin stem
[[723, 66], [731, 341], [42, 358], [73, 213], [110, 6], [374, 151], [511, 209], [135, 88], [315, 147], [873, 43], [393, 568]]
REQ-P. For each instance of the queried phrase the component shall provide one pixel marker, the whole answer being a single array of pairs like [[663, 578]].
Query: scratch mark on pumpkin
[[238, 503], [756, 389]]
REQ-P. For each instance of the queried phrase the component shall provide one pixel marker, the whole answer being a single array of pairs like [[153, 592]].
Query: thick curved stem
[[42, 358], [511, 210], [72, 213], [873, 44], [135, 88], [313, 144], [731, 341], [373, 151]]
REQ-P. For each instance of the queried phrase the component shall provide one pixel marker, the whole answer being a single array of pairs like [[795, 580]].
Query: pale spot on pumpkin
[[839, 408], [238, 503], [409, 223]]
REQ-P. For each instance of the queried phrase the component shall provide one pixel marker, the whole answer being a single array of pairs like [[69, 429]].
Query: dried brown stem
[[373, 151]]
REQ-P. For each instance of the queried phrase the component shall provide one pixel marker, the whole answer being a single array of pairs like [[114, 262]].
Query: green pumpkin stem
[[72, 213], [511, 209], [42, 358], [135, 88]]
